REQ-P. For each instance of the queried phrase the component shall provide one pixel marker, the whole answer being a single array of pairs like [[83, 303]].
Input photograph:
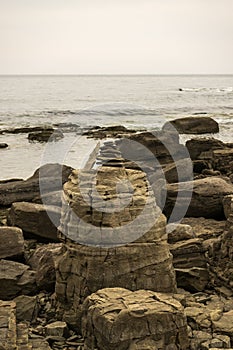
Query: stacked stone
[[115, 240]]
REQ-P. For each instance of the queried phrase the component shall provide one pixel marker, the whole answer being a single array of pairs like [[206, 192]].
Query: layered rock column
[[118, 239]]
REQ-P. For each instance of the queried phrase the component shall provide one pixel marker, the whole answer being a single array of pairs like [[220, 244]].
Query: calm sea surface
[[133, 101]]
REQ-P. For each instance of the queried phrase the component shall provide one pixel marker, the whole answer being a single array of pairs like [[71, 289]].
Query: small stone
[[57, 328]]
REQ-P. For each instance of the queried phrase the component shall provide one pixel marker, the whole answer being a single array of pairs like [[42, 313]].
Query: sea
[[79, 102]]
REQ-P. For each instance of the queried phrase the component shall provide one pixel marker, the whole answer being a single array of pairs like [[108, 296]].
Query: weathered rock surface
[[119, 251], [228, 205], [26, 308], [207, 196], [179, 232], [120, 319], [11, 242], [108, 131], [7, 325], [193, 125], [43, 262], [15, 279], [33, 218], [198, 145], [49, 177], [179, 171]]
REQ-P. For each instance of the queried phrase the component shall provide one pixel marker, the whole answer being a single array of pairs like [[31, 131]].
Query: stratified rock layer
[[124, 248], [118, 319]]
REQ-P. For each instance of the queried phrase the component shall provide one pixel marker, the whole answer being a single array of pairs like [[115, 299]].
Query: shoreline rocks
[[193, 125]]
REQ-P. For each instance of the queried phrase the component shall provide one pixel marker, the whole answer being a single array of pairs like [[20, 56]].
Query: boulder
[[15, 279], [49, 177], [118, 319], [198, 145], [206, 201], [193, 125], [11, 242], [43, 262], [56, 329], [33, 218]]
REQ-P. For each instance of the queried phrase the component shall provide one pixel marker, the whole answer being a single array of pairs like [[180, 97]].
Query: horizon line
[[113, 74]]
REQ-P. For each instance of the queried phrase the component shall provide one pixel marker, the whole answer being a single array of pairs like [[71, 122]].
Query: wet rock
[[120, 319], [49, 177], [15, 279], [198, 145], [11, 242], [206, 201], [3, 145], [43, 262], [46, 135], [33, 219], [26, 308], [108, 131], [193, 125]]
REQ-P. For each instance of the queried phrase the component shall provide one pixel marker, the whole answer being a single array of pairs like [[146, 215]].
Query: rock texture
[[33, 218], [193, 125], [207, 197], [118, 319], [82, 270], [11, 242], [50, 177], [7, 325], [15, 279], [46, 135]]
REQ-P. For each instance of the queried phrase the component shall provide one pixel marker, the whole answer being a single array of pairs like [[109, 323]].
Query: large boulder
[[193, 125], [118, 319], [33, 218], [15, 279], [49, 177], [11, 242], [206, 197]]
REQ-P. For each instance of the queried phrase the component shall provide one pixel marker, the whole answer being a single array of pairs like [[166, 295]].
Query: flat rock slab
[[33, 218], [118, 319], [11, 242]]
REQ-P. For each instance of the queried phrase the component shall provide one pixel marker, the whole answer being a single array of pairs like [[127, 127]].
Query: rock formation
[[193, 125]]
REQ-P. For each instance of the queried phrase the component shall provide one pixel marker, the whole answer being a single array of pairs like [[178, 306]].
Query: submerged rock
[[3, 145]]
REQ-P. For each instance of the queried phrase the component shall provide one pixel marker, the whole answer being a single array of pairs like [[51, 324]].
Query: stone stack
[[118, 239]]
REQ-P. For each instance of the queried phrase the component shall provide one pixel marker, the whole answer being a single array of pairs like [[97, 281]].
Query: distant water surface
[[134, 101]]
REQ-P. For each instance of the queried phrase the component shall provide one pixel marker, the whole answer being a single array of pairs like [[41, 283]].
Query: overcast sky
[[116, 36]]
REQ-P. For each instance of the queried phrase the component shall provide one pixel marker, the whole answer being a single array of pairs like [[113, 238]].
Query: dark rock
[[183, 167], [15, 279], [25, 130], [11, 242], [3, 145], [33, 218], [206, 201], [108, 131], [26, 308], [193, 125], [198, 145], [46, 135]]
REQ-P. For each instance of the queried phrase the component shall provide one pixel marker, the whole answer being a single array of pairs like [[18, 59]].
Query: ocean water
[[133, 101]]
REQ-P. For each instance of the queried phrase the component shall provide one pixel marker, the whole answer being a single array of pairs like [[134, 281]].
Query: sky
[[116, 36]]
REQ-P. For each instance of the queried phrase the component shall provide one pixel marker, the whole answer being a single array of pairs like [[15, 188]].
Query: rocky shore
[[169, 287]]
